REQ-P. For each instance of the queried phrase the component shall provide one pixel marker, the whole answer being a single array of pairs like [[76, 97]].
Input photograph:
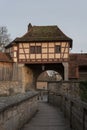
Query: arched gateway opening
[[33, 71], [45, 77]]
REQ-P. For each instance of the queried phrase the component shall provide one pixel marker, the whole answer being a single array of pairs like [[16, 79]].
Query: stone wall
[[15, 111], [71, 88], [27, 78], [54, 85], [10, 88], [74, 110], [65, 87], [14, 78], [9, 79], [42, 85]]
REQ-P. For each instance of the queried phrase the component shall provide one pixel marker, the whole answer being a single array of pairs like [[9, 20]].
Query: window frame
[[35, 50], [32, 49], [38, 50], [57, 49]]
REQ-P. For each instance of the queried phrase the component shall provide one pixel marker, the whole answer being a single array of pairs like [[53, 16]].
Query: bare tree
[[4, 37]]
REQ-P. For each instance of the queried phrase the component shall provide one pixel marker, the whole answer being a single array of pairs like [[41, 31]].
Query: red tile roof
[[4, 57], [79, 58], [76, 60]]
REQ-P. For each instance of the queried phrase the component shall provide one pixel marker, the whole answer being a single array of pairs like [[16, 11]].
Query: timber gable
[[41, 44]]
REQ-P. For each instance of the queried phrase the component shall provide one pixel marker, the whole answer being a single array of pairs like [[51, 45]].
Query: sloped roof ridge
[[63, 33], [46, 26], [47, 33]]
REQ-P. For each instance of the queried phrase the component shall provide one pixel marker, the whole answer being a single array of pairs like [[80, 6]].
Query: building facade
[[40, 49], [41, 44]]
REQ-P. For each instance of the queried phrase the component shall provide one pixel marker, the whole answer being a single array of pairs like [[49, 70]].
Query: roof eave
[[27, 41]]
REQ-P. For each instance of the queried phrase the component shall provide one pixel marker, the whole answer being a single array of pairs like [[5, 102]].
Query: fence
[[8, 71], [73, 109]]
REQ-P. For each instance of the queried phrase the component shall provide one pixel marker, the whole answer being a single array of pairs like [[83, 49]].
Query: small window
[[32, 49], [35, 49], [38, 49], [57, 49]]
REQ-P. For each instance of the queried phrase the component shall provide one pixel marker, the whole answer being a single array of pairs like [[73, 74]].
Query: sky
[[69, 15]]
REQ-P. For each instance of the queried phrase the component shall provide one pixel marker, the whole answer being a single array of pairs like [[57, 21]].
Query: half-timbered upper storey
[[40, 44]]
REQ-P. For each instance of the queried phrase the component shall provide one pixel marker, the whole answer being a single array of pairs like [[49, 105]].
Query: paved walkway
[[47, 118]]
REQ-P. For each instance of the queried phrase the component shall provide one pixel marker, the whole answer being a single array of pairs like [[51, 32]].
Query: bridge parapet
[[65, 87], [73, 109], [17, 110]]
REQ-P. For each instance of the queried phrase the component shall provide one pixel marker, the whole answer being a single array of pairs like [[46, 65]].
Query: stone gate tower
[[40, 48]]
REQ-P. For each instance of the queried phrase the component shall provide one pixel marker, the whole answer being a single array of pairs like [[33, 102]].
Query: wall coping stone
[[71, 98], [10, 101]]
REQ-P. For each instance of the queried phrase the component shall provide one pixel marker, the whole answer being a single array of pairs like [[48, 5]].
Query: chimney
[[29, 27]]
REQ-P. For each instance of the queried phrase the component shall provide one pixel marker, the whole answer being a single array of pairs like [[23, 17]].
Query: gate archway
[[41, 48], [32, 72]]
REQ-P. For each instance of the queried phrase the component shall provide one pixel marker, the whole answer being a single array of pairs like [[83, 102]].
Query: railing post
[[64, 106], [48, 96], [84, 118], [71, 105], [61, 102], [53, 98]]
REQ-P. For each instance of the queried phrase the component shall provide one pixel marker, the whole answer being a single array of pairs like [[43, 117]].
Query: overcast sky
[[69, 15]]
